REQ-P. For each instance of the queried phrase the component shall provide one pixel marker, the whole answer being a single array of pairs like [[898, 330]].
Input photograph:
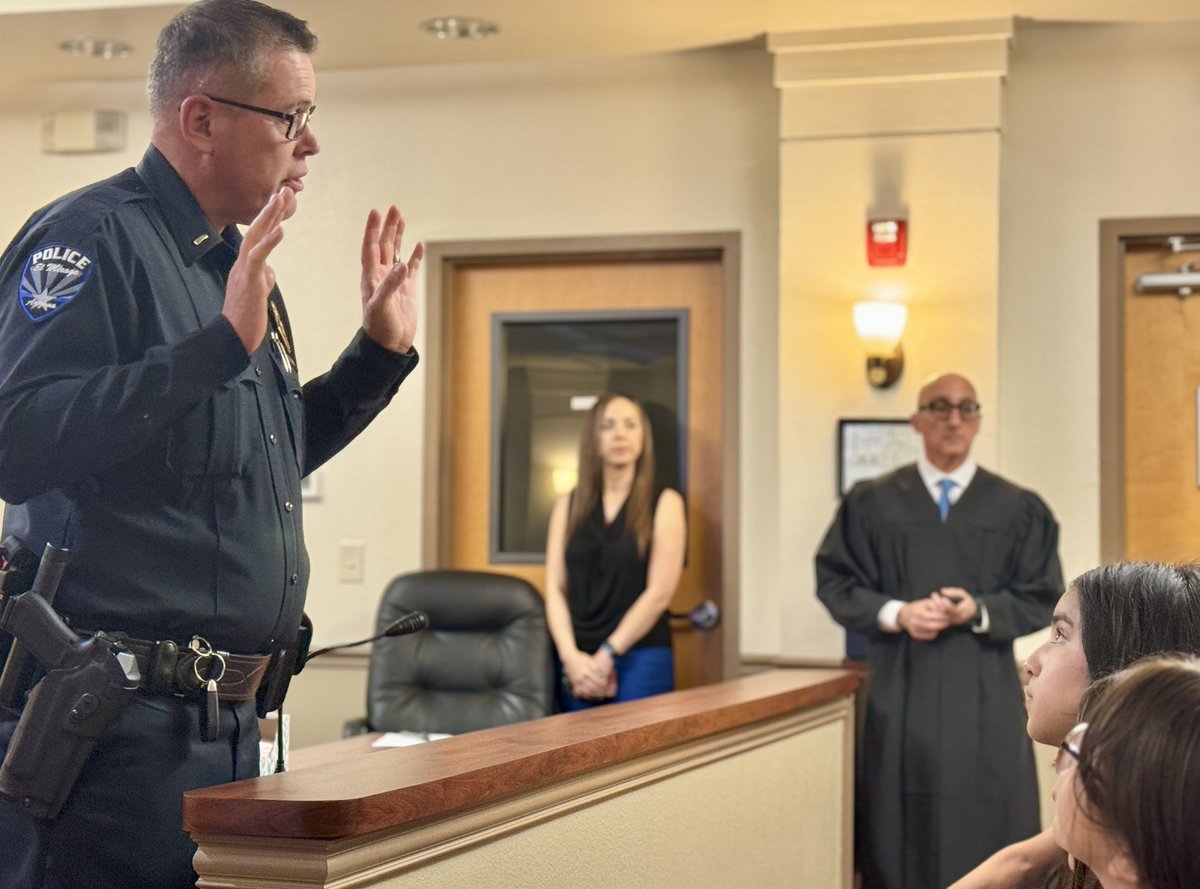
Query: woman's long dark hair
[[639, 508]]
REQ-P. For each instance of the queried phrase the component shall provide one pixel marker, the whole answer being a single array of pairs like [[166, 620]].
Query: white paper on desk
[[406, 739]]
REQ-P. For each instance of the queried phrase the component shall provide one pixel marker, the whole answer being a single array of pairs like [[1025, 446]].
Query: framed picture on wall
[[870, 447]]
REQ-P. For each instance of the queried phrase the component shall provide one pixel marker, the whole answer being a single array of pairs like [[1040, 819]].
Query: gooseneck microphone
[[413, 622]]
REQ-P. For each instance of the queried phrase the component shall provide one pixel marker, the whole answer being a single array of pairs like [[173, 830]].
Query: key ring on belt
[[204, 653]]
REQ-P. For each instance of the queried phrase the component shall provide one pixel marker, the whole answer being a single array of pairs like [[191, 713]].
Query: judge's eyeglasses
[[942, 408], [1068, 750]]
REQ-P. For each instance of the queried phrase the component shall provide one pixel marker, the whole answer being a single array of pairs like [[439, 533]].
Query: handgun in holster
[[87, 683], [285, 663]]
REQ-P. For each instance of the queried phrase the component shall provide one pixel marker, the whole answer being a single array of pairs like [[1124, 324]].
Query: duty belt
[[169, 668]]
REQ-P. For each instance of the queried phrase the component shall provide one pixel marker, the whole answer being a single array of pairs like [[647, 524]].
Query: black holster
[[285, 663], [88, 682], [67, 712]]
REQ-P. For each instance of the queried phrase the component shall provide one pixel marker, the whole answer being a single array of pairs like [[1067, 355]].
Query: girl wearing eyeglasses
[[1127, 796], [1107, 619]]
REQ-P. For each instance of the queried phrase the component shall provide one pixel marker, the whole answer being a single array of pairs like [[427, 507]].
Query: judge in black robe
[[946, 771]]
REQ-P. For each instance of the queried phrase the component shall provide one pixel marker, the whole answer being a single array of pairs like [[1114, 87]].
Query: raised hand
[[388, 288], [251, 279]]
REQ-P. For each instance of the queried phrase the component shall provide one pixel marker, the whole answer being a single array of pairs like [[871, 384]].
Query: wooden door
[[481, 291], [1161, 400]]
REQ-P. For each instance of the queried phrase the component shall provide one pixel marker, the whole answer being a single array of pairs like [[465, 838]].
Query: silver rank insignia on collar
[[279, 338]]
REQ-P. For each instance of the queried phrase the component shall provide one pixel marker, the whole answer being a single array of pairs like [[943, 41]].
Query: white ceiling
[[382, 33]]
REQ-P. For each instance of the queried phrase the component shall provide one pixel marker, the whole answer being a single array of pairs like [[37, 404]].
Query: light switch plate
[[352, 556]]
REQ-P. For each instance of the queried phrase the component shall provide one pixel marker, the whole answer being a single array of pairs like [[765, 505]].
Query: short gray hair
[[228, 38]]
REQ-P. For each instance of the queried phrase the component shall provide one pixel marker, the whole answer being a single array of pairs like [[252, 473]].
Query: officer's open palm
[[251, 279], [388, 283]]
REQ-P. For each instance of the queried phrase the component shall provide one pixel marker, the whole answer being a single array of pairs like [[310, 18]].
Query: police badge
[[53, 276]]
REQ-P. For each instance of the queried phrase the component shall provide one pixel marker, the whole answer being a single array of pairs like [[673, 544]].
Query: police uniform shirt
[[122, 385]]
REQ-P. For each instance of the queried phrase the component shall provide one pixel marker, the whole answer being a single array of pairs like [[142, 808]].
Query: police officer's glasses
[[297, 121], [1068, 750], [942, 409]]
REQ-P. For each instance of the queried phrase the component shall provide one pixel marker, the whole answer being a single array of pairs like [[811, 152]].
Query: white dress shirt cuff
[[983, 622], [888, 614]]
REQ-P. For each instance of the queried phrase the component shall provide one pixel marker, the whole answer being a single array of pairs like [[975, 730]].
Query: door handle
[[704, 616]]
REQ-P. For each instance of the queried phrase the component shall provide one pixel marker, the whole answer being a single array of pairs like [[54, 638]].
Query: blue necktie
[[944, 501]]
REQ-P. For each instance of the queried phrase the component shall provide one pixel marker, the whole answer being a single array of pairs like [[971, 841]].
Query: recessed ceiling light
[[96, 47], [454, 27]]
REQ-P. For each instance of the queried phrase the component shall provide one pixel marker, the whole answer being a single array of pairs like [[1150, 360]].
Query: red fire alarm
[[887, 241]]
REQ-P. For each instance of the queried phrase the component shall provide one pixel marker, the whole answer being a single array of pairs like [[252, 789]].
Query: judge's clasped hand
[[925, 618]]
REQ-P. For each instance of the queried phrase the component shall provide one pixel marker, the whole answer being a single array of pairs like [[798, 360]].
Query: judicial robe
[[946, 771]]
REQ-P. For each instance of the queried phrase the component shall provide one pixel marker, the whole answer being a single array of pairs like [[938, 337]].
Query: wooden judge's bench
[[746, 783]]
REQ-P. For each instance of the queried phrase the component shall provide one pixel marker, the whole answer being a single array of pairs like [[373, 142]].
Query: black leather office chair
[[483, 661]]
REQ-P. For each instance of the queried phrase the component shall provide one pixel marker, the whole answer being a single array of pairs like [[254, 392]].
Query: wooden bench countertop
[[348, 788]]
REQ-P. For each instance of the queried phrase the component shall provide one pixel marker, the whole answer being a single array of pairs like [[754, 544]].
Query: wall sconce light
[[880, 326]]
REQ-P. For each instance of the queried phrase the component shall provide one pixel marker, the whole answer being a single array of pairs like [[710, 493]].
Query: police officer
[[148, 375]]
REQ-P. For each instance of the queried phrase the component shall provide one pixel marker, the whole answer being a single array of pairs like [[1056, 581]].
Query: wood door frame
[[1115, 236], [444, 257]]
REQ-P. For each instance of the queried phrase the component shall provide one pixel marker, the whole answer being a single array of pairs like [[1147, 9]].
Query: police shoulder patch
[[52, 277]]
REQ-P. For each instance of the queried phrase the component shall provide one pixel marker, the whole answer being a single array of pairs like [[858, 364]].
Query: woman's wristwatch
[[608, 646]]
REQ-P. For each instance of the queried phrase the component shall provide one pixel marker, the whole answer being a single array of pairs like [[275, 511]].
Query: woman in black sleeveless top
[[614, 553]]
